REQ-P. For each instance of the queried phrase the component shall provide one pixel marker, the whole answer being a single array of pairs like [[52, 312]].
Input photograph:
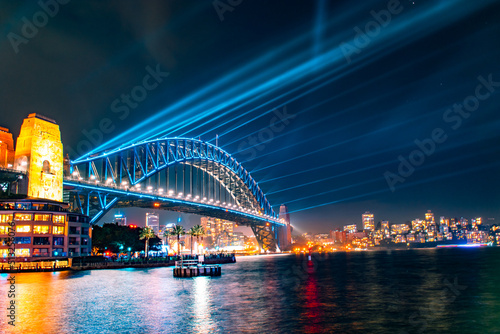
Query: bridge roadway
[[130, 197]]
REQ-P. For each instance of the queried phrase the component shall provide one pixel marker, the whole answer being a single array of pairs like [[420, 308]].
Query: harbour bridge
[[177, 174]]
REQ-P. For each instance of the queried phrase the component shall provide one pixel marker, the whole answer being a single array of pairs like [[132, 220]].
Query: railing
[[186, 263], [173, 196]]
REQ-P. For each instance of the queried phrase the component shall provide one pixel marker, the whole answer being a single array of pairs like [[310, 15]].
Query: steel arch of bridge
[[111, 177]]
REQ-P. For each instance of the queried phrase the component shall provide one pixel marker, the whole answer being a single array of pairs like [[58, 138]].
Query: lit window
[[58, 219], [58, 229], [4, 252], [5, 218], [22, 228], [23, 216], [42, 218], [40, 229], [4, 229], [22, 252]]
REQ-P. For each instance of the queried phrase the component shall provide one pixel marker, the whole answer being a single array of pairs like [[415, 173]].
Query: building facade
[[42, 229], [153, 221], [368, 221]]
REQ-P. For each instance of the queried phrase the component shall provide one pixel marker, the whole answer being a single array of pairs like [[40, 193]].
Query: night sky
[[360, 83]]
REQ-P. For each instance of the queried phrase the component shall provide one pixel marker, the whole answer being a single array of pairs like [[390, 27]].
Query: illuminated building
[[219, 231], [7, 152], [43, 229], [444, 221], [120, 219], [399, 229], [368, 222], [417, 225], [384, 227], [429, 217], [153, 221], [351, 228], [39, 152]]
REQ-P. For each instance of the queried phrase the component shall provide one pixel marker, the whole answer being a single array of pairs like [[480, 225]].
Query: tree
[[109, 237], [147, 233], [178, 230], [166, 235], [196, 231]]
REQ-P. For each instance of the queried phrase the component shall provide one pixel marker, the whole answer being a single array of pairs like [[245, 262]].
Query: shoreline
[[114, 265]]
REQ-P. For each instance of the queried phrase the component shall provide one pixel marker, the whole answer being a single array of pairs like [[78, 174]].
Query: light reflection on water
[[371, 292]]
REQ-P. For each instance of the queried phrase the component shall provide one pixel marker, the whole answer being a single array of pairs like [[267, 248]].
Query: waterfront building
[[368, 221], [40, 223], [44, 229]]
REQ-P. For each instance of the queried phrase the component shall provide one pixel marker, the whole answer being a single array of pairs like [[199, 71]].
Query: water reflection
[[203, 321], [359, 292]]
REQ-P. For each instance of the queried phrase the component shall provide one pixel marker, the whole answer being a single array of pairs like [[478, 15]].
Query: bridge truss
[[178, 174]]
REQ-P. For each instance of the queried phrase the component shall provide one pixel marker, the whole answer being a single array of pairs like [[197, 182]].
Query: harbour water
[[415, 291]]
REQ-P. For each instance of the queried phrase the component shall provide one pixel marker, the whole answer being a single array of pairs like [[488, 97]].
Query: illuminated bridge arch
[[179, 174]]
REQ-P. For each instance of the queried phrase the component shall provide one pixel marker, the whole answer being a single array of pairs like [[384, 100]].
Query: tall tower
[[368, 221], [39, 151], [285, 233]]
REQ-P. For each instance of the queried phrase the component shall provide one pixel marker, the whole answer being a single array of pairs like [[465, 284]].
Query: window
[[41, 241], [4, 229], [5, 241], [58, 252], [73, 230], [7, 206], [58, 219], [23, 206], [42, 218], [22, 216], [58, 241], [22, 252], [23, 228], [85, 242], [41, 229], [58, 230], [4, 253], [5, 218], [73, 241], [40, 252], [22, 240]]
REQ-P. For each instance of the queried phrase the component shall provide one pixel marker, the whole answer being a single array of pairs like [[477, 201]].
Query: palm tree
[[178, 230], [196, 231], [166, 235], [147, 233]]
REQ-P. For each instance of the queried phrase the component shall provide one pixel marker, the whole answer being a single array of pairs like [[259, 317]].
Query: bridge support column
[[265, 237]]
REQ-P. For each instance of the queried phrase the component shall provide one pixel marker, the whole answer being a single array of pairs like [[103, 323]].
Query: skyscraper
[[153, 221], [368, 222], [120, 219]]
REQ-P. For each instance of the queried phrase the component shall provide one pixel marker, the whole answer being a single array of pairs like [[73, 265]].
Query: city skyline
[[360, 109]]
